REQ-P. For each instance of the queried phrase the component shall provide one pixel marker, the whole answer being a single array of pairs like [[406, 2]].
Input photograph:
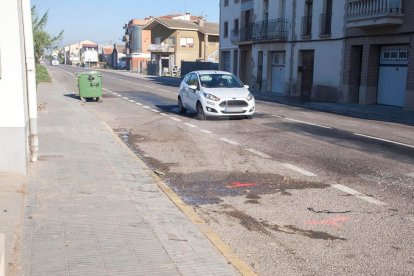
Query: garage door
[[393, 75]]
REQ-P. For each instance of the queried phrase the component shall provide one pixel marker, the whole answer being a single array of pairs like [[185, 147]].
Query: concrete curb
[[2, 255], [213, 237]]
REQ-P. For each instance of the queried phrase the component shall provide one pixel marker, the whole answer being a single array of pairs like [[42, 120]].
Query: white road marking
[[163, 114], [138, 103], [154, 110], [125, 98], [147, 107], [358, 194], [306, 123], [384, 140], [175, 119], [298, 169], [229, 141], [261, 154], [206, 131], [132, 101], [119, 95], [190, 125]]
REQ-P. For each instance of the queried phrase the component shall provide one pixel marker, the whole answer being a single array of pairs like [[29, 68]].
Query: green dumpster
[[90, 85]]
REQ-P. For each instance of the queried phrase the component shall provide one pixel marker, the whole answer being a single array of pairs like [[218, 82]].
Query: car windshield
[[220, 81]]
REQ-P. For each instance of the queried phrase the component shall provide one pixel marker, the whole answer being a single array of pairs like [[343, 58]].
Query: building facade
[[350, 51], [379, 64], [184, 39], [83, 53], [137, 42], [18, 104], [287, 48]]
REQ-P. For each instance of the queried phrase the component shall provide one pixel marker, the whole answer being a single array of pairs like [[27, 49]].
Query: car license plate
[[234, 109]]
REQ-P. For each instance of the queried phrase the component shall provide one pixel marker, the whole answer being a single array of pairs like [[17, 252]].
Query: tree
[[41, 39]]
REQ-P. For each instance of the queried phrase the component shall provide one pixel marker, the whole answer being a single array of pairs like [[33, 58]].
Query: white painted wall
[[12, 109], [14, 150], [228, 13]]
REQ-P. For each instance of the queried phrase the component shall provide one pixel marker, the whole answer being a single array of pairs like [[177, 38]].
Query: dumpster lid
[[89, 73]]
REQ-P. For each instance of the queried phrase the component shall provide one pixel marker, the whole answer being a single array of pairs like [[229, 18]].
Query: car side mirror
[[246, 86], [193, 87]]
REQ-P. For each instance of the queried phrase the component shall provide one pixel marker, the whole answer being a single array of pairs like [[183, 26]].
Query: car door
[[193, 94], [184, 90]]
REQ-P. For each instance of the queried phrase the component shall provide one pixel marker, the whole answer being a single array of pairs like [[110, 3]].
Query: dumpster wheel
[[99, 99], [83, 99]]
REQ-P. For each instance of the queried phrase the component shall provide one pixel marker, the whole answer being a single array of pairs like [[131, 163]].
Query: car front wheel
[[181, 108], [200, 112]]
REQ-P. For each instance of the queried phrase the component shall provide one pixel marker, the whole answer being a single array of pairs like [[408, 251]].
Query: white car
[[214, 94]]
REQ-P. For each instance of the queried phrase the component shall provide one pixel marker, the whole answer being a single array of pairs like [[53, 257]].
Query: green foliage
[[41, 74], [41, 39]]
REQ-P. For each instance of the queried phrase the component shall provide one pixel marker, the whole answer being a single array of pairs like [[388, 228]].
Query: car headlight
[[249, 97], [211, 97]]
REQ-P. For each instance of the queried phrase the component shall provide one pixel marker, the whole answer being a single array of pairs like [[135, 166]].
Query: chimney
[[200, 21]]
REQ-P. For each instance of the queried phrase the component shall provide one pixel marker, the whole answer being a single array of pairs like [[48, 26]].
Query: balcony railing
[[164, 48], [326, 24], [365, 13], [262, 30], [307, 26]]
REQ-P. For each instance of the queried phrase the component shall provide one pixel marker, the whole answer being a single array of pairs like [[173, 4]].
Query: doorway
[[307, 74]]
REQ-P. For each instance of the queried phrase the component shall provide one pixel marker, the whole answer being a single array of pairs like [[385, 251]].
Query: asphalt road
[[293, 191]]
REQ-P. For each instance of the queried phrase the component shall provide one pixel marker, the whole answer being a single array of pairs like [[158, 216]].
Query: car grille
[[234, 103]]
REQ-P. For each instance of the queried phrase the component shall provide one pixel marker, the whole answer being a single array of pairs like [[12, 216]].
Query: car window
[[194, 80], [220, 81], [187, 78]]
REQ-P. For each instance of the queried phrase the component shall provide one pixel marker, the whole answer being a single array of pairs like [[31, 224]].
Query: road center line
[[385, 140], [138, 103], [175, 119], [357, 194], [125, 98], [154, 110], [206, 131], [298, 169], [229, 141], [163, 114], [190, 125], [147, 107], [132, 101], [261, 154]]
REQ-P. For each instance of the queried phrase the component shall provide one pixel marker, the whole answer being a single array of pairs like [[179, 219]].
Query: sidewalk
[[93, 209]]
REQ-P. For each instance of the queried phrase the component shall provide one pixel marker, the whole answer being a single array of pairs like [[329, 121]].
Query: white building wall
[[14, 150], [329, 51], [229, 14]]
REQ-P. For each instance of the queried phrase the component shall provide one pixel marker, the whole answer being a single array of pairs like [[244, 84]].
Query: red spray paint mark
[[239, 185], [335, 222]]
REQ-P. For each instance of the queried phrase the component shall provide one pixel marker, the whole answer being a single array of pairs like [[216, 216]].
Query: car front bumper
[[229, 107]]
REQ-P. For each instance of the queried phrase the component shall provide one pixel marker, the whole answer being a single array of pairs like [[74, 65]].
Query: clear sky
[[102, 20]]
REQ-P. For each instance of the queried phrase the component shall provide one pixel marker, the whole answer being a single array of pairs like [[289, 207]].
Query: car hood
[[227, 92]]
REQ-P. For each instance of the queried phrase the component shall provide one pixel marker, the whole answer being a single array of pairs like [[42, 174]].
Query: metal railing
[[262, 30], [306, 25], [372, 8], [326, 24]]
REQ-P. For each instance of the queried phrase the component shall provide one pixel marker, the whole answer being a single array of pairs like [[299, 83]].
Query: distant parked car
[[215, 93]]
